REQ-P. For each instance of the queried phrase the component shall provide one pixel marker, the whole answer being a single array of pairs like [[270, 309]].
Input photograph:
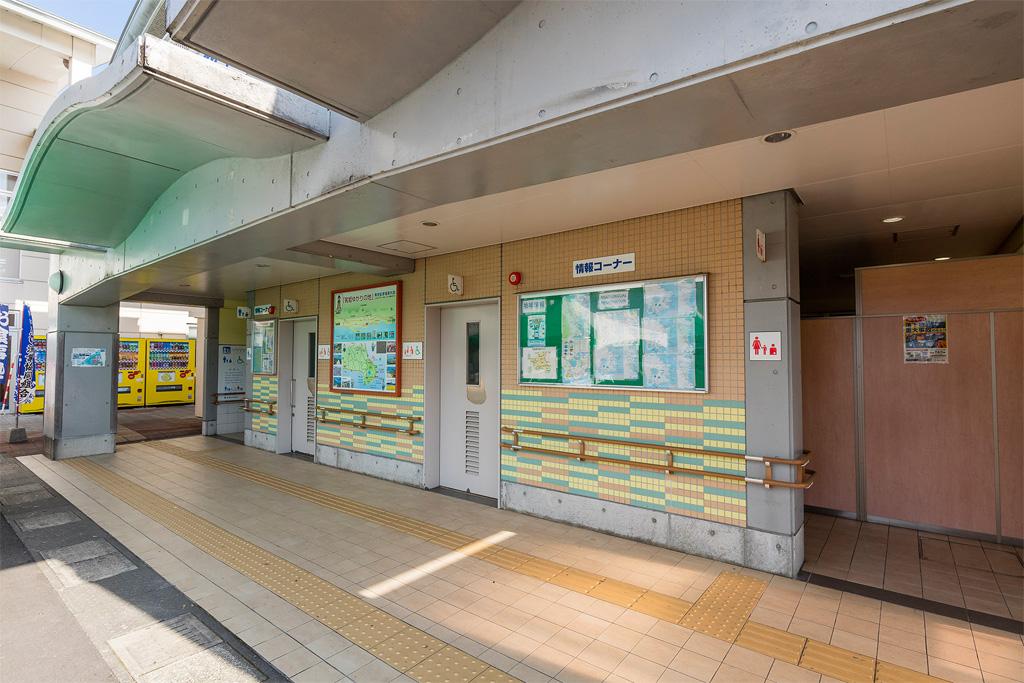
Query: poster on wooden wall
[[924, 339]]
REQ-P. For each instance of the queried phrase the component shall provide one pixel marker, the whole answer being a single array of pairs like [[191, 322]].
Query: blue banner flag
[[26, 379]]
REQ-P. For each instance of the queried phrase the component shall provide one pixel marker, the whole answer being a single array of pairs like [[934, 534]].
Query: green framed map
[[264, 337], [366, 334], [645, 335]]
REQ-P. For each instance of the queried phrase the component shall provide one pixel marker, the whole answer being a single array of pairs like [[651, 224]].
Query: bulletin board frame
[[258, 324], [397, 391], [702, 347]]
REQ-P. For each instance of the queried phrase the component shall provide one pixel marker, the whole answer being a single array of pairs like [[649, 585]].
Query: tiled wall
[[705, 239], [264, 388], [376, 442]]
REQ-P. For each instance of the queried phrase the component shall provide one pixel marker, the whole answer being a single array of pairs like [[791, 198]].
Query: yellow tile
[[837, 663]]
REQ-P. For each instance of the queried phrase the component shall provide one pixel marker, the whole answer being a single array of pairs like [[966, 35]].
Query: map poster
[[924, 339], [366, 333]]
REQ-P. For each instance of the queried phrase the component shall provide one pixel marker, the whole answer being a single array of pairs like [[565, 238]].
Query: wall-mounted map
[[649, 335], [366, 335]]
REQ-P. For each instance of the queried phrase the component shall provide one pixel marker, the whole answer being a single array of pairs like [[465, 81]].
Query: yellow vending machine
[[36, 404], [131, 373], [170, 371]]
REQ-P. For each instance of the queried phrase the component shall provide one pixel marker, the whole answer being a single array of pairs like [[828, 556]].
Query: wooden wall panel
[[943, 287], [827, 366], [1009, 390], [928, 428]]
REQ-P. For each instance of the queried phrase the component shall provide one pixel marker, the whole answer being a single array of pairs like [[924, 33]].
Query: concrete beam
[[642, 81], [357, 260]]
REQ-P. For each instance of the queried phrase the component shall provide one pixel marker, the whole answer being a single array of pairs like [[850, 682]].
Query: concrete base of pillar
[[77, 447], [399, 471], [738, 545], [209, 427], [264, 442]]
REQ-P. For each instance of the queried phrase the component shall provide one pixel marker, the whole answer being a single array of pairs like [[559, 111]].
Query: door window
[[473, 354]]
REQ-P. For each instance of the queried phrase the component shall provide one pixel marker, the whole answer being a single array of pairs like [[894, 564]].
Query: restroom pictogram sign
[[765, 346]]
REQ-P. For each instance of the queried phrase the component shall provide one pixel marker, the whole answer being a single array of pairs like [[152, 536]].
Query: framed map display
[[264, 338], [366, 334], [646, 335]]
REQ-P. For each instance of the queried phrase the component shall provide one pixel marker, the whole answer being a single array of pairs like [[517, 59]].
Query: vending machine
[[131, 373], [36, 404], [170, 371]]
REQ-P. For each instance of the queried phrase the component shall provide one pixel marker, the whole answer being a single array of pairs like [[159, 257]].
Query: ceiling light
[[892, 219], [942, 258], [262, 265], [778, 136], [429, 224]]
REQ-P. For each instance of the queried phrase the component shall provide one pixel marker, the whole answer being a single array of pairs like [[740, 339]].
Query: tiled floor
[[532, 628], [977, 575]]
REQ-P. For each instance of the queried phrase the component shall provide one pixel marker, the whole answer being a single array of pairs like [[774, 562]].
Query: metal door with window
[[470, 395], [304, 386]]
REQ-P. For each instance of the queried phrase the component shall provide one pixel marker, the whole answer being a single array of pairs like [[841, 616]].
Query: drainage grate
[[156, 646]]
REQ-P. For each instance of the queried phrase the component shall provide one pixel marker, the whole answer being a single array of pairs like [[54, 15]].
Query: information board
[[264, 339], [366, 332], [646, 335]]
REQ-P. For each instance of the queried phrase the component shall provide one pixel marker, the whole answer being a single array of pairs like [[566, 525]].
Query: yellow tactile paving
[[387, 637], [771, 641], [890, 673], [722, 612], [449, 665], [725, 606], [662, 607], [837, 663]]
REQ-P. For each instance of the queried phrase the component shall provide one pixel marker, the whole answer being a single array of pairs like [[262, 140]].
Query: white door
[[470, 395], [304, 386]]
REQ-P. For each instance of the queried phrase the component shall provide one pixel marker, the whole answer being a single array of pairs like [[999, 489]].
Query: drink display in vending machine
[[131, 373], [36, 404], [170, 371]]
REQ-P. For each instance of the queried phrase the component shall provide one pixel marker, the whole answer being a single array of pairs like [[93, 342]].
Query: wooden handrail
[[805, 477], [362, 423]]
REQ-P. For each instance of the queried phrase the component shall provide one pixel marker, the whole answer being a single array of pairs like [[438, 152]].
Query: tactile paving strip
[[837, 663], [722, 611], [771, 641], [387, 637], [725, 606]]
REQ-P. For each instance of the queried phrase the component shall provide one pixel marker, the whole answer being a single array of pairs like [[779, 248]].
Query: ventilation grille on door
[[311, 419], [472, 442]]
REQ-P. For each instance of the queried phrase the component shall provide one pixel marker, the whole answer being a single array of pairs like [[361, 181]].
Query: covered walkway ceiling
[[110, 145], [357, 57]]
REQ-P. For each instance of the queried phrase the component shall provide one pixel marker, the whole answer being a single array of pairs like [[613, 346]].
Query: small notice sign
[[323, 352], [604, 265], [924, 339], [762, 252], [412, 351], [765, 346], [88, 358]]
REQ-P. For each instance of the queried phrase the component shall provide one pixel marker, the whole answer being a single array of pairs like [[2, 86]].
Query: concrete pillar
[[207, 364], [771, 303], [80, 409]]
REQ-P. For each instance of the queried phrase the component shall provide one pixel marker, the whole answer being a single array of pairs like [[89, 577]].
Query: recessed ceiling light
[[942, 258], [429, 224], [892, 219], [778, 136]]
